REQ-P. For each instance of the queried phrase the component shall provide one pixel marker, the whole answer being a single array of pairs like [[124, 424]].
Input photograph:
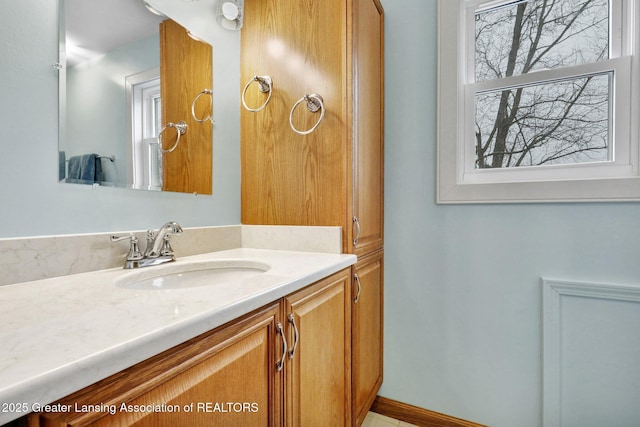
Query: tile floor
[[377, 420]]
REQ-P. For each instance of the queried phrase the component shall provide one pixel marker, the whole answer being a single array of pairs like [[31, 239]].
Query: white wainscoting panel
[[591, 354]]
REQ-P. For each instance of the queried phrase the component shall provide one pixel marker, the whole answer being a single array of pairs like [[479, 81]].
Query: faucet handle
[[151, 238], [134, 250], [166, 246]]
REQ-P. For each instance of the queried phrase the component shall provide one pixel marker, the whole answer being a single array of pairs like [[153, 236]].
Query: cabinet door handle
[[357, 279], [357, 224], [296, 335], [280, 363]]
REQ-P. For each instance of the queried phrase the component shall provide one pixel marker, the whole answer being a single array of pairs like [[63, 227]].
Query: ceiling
[[94, 27]]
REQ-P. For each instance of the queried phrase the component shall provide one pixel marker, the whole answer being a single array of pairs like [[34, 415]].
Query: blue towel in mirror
[[85, 169], [74, 169], [62, 161]]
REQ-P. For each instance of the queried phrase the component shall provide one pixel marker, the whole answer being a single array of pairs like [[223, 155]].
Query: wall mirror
[[136, 99]]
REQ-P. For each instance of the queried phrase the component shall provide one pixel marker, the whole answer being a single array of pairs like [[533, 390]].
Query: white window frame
[[141, 90], [460, 182]]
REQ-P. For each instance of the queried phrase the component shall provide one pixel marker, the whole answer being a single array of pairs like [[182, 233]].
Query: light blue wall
[[463, 315], [32, 202]]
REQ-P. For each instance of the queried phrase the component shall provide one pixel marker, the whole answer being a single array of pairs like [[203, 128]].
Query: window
[[149, 96], [543, 102], [145, 115]]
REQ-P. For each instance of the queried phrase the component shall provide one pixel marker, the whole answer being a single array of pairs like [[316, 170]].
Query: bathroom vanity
[[102, 347]]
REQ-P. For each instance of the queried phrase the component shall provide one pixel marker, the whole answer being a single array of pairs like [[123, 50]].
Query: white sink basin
[[192, 274]]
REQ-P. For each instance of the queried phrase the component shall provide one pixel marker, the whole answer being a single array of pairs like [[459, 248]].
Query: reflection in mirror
[[117, 95]]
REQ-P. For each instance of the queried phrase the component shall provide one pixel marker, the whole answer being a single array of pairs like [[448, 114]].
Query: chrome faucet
[[158, 250]]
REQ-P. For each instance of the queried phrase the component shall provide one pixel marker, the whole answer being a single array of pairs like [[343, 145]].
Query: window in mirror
[[143, 128]]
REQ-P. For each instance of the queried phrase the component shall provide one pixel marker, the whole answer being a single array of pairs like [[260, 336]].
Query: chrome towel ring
[[193, 106], [265, 85], [315, 103], [181, 129]]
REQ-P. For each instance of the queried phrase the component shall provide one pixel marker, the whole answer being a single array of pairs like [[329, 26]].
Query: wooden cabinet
[[334, 175], [367, 321], [333, 48], [318, 375], [232, 376], [223, 378], [367, 126]]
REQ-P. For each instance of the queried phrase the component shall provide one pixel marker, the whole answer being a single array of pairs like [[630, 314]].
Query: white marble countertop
[[62, 334]]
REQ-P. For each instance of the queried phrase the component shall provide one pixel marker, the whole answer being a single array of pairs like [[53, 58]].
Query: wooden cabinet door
[[186, 68], [335, 173], [367, 333], [225, 378], [368, 127], [287, 178], [318, 375]]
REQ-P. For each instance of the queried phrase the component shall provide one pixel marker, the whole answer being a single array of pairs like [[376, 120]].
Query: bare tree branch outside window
[[548, 123]]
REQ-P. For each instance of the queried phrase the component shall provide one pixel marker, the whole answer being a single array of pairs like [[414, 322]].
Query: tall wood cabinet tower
[[312, 144]]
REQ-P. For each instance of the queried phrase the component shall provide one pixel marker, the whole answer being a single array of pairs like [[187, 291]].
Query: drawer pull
[[280, 363], [296, 335], [356, 222], [357, 279]]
